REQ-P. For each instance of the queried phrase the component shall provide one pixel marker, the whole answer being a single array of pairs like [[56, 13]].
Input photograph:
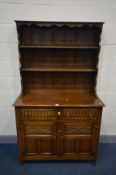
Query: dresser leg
[[21, 161]]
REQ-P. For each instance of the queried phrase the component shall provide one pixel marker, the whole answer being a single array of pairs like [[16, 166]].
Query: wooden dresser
[[58, 113]]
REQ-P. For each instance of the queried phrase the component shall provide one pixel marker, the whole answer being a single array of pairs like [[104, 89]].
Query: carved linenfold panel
[[38, 130], [78, 130], [38, 114], [80, 114]]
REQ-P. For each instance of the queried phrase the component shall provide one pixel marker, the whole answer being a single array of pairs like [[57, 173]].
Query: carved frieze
[[38, 130]]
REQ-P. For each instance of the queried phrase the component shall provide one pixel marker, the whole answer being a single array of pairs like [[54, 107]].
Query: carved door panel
[[59, 138], [39, 139], [77, 139], [77, 145], [39, 145]]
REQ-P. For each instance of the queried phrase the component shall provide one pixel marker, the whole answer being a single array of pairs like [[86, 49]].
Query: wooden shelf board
[[58, 70], [59, 46], [59, 98]]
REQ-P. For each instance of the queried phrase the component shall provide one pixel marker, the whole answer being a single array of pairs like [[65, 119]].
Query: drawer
[[60, 114], [81, 114], [38, 114]]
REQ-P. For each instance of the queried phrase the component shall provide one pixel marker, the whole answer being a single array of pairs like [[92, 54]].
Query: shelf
[[58, 70], [58, 47], [56, 97]]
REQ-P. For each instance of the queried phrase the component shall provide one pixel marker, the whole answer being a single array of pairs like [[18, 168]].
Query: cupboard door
[[59, 139], [77, 139], [39, 139]]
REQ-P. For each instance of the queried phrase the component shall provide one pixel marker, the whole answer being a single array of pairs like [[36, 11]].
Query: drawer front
[[38, 114], [81, 114], [84, 114]]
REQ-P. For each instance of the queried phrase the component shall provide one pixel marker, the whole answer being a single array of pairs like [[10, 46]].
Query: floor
[[106, 163]]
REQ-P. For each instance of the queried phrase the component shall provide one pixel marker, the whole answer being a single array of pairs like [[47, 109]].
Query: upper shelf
[[34, 36], [59, 46]]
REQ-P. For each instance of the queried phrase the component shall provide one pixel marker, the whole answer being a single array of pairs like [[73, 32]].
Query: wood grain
[[58, 113]]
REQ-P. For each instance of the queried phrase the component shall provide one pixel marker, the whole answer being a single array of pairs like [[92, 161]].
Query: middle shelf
[[34, 46], [58, 70], [49, 60]]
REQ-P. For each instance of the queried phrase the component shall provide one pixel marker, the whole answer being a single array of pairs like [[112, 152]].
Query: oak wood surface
[[58, 98], [58, 113]]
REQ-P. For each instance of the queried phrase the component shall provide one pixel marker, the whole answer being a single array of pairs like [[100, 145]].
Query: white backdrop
[[56, 10]]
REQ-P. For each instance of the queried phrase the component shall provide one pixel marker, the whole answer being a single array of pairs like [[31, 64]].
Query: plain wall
[[56, 10]]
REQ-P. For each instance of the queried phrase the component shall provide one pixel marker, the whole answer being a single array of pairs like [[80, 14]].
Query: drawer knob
[[59, 131], [68, 114], [59, 113]]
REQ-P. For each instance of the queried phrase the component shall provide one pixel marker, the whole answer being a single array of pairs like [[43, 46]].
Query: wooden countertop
[[59, 98]]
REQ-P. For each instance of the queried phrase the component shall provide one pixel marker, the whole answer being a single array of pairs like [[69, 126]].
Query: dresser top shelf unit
[[59, 63]]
